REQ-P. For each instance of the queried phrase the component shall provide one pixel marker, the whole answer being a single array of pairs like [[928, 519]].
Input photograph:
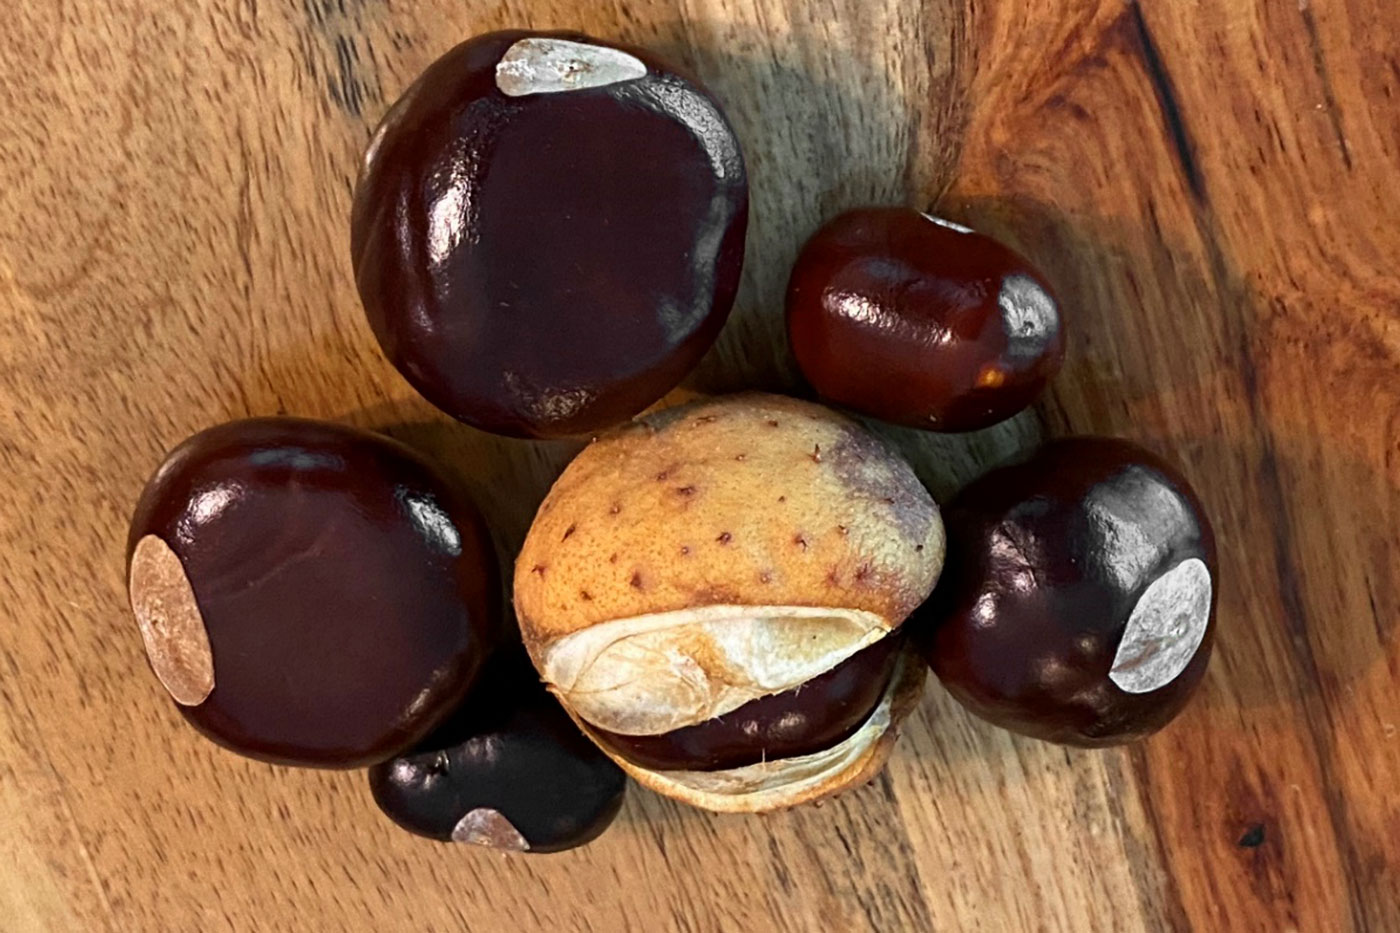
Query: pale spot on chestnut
[[1166, 627], [1031, 317], [948, 224], [550, 66], [171, 624], [486, 827]]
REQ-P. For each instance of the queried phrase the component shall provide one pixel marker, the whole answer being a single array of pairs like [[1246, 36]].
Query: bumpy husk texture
[[717, 552]]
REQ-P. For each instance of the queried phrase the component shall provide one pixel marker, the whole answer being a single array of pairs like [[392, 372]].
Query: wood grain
[[1211, 188]]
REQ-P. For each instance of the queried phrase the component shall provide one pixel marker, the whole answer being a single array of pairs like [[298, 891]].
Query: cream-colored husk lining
[[655, 673]]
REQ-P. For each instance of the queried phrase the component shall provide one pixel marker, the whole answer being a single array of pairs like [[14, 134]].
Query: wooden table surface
[[1211, 186]]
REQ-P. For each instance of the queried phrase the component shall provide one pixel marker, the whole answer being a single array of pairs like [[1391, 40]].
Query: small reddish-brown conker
[[917, 321]]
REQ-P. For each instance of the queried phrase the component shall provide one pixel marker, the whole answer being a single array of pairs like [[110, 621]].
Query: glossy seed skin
[[509, 757], [810, 718], [1078, 605], [549, 263], [349, 595], [915, 321]]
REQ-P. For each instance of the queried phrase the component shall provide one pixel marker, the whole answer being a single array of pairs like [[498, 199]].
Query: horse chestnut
[[811, 717], [1079, 600], [917, 321], [715, 594], [548, 231], [508, 770], [309, 593]]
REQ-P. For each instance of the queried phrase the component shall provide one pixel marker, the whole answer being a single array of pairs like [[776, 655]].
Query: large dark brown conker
[[509, 770], [1078, 603], [548, 231], [917, 321], [310, 593]]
